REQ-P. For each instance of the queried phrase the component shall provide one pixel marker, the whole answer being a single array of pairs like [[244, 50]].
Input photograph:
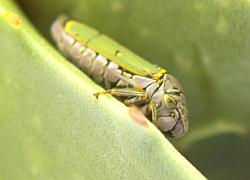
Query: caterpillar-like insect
[[124, 75]]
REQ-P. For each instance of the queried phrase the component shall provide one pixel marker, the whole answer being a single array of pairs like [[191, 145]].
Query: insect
[[124, 75]]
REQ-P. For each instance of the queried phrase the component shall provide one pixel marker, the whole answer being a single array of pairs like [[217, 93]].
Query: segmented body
[[110, 74]]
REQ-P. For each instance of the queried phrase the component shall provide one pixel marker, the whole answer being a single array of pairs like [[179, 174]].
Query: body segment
[[125, 75]]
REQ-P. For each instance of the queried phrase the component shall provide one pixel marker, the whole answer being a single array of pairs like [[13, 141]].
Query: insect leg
[[152, 109], [136, 100], [123, 92]]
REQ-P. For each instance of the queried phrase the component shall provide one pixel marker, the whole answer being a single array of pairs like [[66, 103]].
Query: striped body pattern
[[157, 93]]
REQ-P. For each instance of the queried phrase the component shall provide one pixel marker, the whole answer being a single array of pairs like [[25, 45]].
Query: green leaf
[[205, 44], [51, 126]]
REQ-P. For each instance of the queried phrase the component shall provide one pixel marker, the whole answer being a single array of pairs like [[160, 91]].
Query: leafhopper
[[124, 74]]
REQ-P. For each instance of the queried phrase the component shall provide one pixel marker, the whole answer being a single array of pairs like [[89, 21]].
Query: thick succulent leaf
[[53, 128], [205, 44]]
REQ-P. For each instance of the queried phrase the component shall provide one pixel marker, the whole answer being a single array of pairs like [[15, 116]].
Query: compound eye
[[169, 102], [165, 124]]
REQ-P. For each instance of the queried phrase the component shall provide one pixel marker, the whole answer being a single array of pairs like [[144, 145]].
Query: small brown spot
[[138, 116]]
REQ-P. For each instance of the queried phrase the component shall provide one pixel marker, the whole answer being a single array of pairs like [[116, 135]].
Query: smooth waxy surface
[[205, 44]]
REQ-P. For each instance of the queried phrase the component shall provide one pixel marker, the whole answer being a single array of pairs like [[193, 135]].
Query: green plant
[[51, 126]]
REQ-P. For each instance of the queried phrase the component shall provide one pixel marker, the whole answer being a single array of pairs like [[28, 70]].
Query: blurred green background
[[205, 44]]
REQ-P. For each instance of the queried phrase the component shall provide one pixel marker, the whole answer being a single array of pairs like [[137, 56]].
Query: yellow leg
[[123, 92], [152, 109], [101, 92]]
